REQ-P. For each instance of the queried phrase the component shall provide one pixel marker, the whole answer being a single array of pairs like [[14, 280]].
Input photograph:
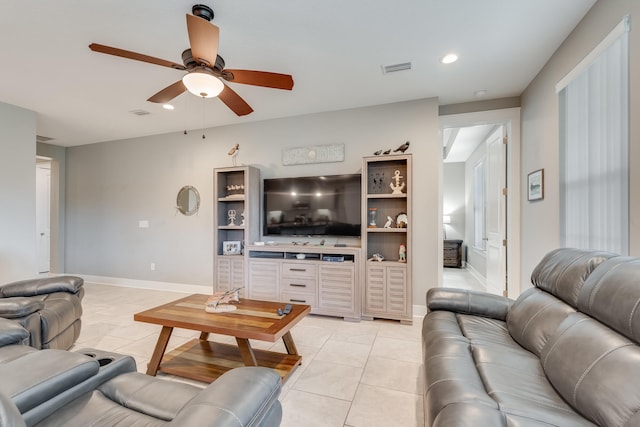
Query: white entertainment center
[[334, 280], [324, 277]]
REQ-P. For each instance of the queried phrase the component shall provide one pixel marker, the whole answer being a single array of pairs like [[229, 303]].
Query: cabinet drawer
[[298, 298], [299, 284], [299, 269]]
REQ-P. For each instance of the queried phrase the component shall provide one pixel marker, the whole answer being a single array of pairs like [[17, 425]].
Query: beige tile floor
[[353, 374]]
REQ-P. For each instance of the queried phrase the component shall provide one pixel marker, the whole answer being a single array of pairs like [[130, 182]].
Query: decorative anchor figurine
[[397, 187], [232, 217]]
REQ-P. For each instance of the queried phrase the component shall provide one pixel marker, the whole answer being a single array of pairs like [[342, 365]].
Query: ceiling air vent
[[40, 138], [396, 67], [139, 112]]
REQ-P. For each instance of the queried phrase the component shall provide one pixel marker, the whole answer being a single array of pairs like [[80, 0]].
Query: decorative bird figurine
[[402, 148], [234, 153], [377, 153], [387, 152]]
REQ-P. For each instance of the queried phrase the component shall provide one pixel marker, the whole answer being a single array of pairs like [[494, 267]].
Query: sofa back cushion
[[535, 317], [558, 278], [612, 296], [562, 272], [595, 369]]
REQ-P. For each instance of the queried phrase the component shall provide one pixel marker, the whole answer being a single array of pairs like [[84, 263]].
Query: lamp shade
[[446, 219], [203, 84]]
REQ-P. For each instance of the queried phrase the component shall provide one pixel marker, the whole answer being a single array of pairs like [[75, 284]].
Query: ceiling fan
[[204, 67]]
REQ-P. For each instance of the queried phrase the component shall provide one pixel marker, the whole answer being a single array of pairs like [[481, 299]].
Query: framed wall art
[[535, 185], [231, 247]]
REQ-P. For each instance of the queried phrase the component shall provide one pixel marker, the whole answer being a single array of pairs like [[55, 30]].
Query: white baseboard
[[147, 284], [477, 275], [419, 311]]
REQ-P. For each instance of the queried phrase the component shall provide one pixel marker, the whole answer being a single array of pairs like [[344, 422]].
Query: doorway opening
[[480, 196], [47, 214]]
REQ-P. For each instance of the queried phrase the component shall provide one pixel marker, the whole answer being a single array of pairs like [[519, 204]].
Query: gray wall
[[113, 185], [540, 130], [17, 193], [453, 199]]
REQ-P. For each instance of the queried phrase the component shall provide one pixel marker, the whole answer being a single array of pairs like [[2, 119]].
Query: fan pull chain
[[184, 107], [203, 107]]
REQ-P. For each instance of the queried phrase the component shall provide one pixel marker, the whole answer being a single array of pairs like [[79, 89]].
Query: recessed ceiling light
[[480, 93], [168, 106], [449, 58]]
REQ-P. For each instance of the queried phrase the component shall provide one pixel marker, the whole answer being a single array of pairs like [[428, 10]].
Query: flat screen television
[[326, 205]]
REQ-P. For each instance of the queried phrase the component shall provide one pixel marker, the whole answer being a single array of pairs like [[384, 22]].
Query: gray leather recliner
[[53, 387], [49, 308]]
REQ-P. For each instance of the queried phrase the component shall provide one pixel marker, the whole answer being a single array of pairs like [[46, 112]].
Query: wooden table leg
[[289, 344], [158, 352], [204, 336], [248, 357]]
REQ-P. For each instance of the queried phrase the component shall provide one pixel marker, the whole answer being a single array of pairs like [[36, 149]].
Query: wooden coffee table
[[205, 360]]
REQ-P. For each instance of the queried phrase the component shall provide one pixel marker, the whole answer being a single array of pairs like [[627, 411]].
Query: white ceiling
[[333, 48], [465, 141]]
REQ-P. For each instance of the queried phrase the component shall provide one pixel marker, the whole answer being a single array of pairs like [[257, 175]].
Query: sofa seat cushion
[[128, 399], [473, 364], [147, 395], [526, 393], [96, 410]]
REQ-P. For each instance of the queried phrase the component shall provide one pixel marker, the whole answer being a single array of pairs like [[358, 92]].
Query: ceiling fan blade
[[134, 55], [203, 38], [234, 102], [168, 93], [259, 78]]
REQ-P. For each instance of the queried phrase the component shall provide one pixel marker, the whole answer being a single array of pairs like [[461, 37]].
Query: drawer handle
[[298, 300], [297, 269], [298, 285]]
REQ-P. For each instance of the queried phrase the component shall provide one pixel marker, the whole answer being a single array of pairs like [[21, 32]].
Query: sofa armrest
[[465, 301], [42, 286], [9, 414], [244, 396], [12, 333], [37, 377], [16, 307]]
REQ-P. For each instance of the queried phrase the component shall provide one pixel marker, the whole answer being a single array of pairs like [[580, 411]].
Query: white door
[[43, 216], [496, 213]]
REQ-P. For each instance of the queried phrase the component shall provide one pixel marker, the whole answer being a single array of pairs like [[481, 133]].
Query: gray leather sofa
[[565, 353], [49, 308], [91, 387]]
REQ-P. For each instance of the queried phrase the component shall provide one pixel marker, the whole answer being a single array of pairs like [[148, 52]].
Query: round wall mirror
[[188, 200]]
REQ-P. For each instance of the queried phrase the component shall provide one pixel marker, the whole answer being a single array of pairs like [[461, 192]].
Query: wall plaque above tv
[[312, 206]]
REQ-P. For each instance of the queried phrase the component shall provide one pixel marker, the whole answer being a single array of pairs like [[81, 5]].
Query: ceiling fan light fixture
[[449, 58], [203, 84]]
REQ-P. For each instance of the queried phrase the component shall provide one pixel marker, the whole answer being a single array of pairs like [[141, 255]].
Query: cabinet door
[[264, 279], [396, 290], [223, 274], [375, 289], [229, 273], [337, 288]]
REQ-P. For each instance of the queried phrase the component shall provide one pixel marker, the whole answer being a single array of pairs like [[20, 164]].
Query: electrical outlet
[[153, 266]]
